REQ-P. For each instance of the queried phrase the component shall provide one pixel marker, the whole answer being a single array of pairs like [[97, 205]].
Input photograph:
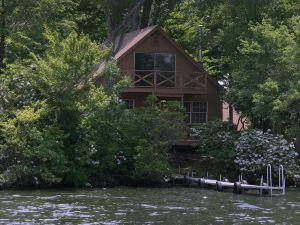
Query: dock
[[264, 188]]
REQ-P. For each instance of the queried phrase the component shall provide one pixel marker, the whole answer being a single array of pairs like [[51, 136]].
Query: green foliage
[[57, 127], [148, 134], [40, 120], [31, 150], [65, 64], [25, 21], [266, 74], [216, 142], [253, 48]]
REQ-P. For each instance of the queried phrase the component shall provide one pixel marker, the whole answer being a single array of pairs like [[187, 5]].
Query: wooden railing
[[152, 78], [168, 79], [193, 80]]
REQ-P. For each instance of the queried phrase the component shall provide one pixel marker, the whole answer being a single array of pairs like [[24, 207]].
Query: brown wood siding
[[160, 44], [213, 102]]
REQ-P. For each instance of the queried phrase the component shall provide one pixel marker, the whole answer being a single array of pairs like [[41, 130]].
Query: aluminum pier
[[239, 186]]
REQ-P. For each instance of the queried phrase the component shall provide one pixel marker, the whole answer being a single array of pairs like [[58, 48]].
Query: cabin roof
[[133, 38]]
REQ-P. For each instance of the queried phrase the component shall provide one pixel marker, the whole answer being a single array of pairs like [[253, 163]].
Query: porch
[[167, 83]]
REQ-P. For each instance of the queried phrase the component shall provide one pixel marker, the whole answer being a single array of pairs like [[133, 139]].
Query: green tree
[[147, 135], [23, 23], [266, 74], [215, 141], [54, 85]]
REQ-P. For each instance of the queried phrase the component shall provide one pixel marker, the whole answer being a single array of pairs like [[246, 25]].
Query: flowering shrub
[[255, 150]]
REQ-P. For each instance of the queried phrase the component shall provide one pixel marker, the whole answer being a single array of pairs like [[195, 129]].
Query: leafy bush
[[255, 150], [58, 128], [147, 134], [32, 151], [216, 142]]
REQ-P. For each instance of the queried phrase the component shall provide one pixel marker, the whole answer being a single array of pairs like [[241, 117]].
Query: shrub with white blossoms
[[255, 150]]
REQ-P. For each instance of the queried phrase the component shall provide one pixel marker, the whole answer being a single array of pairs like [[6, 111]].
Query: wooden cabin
[[158, 66]]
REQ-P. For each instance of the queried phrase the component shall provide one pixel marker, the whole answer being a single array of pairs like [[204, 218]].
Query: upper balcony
[[179, 81]]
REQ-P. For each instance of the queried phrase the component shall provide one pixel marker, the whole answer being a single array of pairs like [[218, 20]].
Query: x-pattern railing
[[169, 79], [146, 78], [194, 80], [138, 78]]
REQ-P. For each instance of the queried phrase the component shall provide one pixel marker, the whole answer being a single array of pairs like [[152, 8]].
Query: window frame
[[154, 66], [191, 112], [126, 105], [156, 53]]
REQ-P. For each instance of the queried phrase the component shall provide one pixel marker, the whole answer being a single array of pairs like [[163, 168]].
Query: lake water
[[146, 206]]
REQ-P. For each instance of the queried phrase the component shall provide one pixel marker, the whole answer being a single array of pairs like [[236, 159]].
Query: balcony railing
[[168, 79]]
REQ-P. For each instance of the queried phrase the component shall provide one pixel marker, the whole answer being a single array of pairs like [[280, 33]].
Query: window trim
[[128, 99], [155, 53], [191, 112]]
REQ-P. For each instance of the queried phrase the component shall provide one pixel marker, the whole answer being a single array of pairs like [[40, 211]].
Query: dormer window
[[155, 69]]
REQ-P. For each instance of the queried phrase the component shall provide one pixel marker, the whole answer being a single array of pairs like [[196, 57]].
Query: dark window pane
[[144, 61], [129, 103], [203, 107], [187, 106], [195, 118], [196, 106], [203, 118], [187, 118], [199, 118], [165, 62]]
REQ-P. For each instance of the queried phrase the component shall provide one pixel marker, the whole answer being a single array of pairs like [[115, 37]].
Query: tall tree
[[2, 33], [225, 24], [23, 22]]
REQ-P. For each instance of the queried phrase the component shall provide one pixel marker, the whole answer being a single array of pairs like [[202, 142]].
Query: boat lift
[[241, 185]]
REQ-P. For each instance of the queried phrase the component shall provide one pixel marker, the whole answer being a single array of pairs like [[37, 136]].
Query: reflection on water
[[146, 206]]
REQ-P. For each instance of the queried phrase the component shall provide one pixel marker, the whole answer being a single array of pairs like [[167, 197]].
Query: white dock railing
[[241, 185]]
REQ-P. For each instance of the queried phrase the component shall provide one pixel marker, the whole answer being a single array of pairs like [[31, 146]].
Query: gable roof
[[133, 38]]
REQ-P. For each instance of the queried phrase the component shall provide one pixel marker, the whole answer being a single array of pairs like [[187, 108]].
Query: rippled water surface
[[146, 206]]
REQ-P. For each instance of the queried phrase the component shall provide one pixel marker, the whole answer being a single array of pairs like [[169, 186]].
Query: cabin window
[[144, 61], [196, 112], [155, 69], [129, 103], [165, 62]]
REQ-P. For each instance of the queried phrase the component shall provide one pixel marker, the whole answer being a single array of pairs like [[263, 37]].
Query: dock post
[[261, 184], [269, 178], [237, 188], [219, 186], [281, 181]]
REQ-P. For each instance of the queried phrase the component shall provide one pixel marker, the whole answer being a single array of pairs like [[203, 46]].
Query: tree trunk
[[2, 34], [146, 13], [134, 20], [120, 30]]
